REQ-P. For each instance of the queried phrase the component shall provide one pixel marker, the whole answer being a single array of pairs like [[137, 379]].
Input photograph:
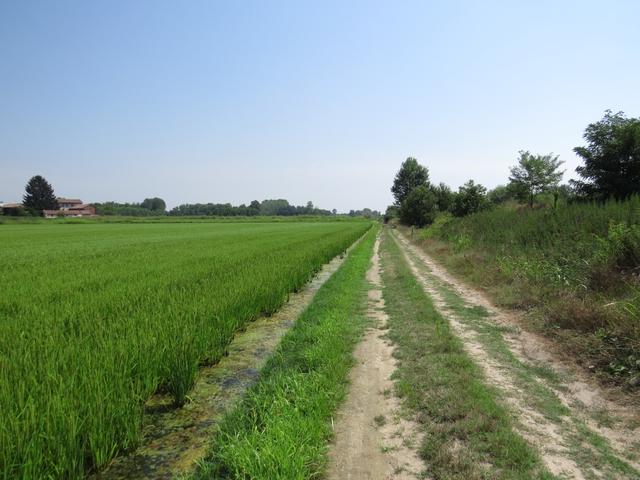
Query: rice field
[[96, 318]]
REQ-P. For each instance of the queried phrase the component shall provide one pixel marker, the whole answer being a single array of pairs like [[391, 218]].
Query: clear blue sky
[[234, 101]]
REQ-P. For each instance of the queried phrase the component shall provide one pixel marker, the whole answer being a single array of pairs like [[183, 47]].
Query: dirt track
[[364, 448], [578, 432], [592, 434]]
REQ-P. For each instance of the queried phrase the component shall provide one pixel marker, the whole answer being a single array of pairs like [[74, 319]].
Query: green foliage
[[213, 209], [95, 317], [129, 209], [535, 174], [576, 264], [500, 194], [279, 207], [39, 196], [611, 158], [156, 207], [444, 197], [391, 212], [419, 208], [435, 230], [365, 212], [410, 176], [566, 237], [274, 207], [621, 247], [471, 198], [155, 204]]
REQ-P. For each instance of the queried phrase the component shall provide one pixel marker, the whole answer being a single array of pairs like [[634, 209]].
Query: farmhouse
[[71, 207], [67, 203], [10, 208]]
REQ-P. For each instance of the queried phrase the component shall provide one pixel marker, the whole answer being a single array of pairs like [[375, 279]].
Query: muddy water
[[174, 438]]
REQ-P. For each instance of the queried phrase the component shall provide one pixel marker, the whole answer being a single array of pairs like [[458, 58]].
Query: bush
[[471, 198]]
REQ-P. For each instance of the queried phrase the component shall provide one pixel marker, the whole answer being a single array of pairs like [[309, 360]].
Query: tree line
[[611, 170], [40, 196], [147, 208], [269, 207]]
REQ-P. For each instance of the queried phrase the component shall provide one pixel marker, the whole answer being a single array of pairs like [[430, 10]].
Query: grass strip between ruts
[[468, 434], [282, 427]]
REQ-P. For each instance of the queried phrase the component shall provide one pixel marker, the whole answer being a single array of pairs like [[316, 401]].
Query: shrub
[[471, 198]]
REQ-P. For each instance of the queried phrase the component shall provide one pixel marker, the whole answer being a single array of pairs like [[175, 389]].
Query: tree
[[154, 204], [444, 197], [419, 208], [254, 208], [535, 174], [274, 207], [500, 194], [471, 198], [611, 158], [410, 176], [390, 213], [39, 196]]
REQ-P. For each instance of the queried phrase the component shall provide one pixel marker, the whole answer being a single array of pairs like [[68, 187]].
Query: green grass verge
[[468, 434], [281, 428]]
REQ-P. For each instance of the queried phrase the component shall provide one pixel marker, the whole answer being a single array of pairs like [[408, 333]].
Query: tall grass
[[577, 265], [96, 318]]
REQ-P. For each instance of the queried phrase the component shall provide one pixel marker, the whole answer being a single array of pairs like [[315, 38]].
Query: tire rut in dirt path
[[556, 416], [371, 436]]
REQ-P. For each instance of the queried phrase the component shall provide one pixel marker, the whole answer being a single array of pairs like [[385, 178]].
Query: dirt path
[[577, 431], [372, 439]]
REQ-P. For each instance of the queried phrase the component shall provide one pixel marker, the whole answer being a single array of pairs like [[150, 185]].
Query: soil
[[373, 439]]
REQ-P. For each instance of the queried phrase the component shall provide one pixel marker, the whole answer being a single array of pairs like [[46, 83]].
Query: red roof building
[[71, 207]]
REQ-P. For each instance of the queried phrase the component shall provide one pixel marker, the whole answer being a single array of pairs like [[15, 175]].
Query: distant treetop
[[611, 158], [410, 176], [39, 196]]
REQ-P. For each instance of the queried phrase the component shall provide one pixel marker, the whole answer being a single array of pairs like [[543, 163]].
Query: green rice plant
[[95, 318]]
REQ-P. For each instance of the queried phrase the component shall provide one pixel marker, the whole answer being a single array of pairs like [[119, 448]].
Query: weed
[[380, 420]]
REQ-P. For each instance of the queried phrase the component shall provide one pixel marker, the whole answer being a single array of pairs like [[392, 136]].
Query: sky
[[223, 101]]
